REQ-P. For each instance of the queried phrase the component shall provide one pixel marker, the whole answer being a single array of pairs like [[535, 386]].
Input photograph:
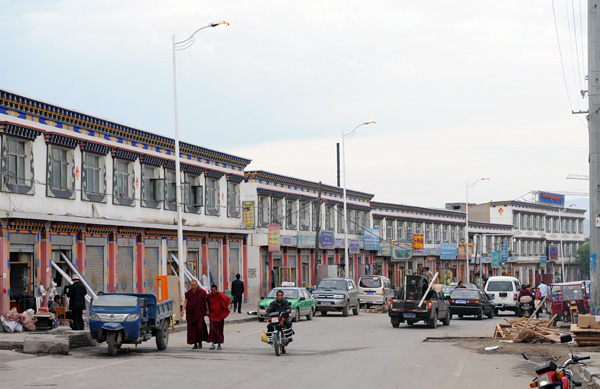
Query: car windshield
[[370, 283], [447, 289], [465, 294], [115, 300], [287, 293], [572, 292], [332, 284], [499, 286]]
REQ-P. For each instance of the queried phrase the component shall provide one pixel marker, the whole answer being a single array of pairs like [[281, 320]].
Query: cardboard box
[[588, 321]]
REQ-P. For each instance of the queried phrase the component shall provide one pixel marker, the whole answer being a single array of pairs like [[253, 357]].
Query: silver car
[[375, 290], [337, 294]]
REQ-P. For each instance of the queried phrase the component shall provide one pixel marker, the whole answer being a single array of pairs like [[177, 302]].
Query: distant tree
[[583, 257]]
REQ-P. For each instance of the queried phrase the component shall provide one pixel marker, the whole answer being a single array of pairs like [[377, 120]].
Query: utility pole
[[593, 126], [337, 146], [317, 234]]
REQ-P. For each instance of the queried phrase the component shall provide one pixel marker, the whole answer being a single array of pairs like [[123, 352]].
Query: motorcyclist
[[280, 305], [526, 292]]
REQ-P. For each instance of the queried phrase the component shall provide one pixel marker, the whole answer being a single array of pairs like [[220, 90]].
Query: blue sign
[[504, 252], [551, 198], [543, 261], [553, 252], [354, 246], [327, 240], [372, 240], [448, 250], [495, 259]]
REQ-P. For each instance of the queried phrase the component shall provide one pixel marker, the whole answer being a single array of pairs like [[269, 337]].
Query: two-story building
[[102, 195], [294, 208]]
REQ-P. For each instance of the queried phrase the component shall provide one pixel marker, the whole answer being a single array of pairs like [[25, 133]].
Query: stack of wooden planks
[[524, 330], [586, 336]]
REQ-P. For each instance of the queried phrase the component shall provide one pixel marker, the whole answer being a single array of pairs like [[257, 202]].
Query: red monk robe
[[195, 312], [218, 307]]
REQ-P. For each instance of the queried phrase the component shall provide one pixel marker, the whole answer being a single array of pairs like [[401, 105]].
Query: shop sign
[[462, 253], [512, 259], [386, 250], [448, 250], [372, 241], [248, 211], [361, 244], [274, 238], [551, 198], [543, 261], [339, 243], [418, 244], [401, 251], [553, 252], [486, 260], [306, 241], [289, 240], [354, 246], [504, 253], [496, 259], [327, 240], [431, 251]]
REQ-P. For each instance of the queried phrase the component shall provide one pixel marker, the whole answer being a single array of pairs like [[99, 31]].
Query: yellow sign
[[249, 214]]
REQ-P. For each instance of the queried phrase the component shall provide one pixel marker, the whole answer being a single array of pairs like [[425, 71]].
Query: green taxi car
[[302, 302]]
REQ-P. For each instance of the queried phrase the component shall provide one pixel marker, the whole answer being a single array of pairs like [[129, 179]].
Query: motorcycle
[[526, 306], [551, 376], [277, 334]]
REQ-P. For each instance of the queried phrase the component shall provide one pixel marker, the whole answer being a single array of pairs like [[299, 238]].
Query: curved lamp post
[[347, 136], [178, 46]]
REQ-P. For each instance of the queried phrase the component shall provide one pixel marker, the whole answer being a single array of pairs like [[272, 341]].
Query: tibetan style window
[[315, 214], [340, 218], [389, 227], [436, 233], [93, 178], [123, 182], [444, 233], [233, 199], [515, 220], [61, 172], [409, 231], [329, 218], [291, 213], [277, 216], [17, 166], [304, 215], [263, 211], [153, 191], [192, 193], [170, 192], [213, 203], [399, 230], [547, 224]]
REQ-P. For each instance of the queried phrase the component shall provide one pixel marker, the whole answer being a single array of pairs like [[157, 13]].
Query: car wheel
[[296, 316], [491, 314], [323, 313], [446, 320], [480, 314], [434, 321], [356, 310], [495, 312], [162, 335], [310, 314], [345, 310]]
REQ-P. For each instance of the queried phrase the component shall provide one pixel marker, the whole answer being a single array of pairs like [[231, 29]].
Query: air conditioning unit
[[158, 189]]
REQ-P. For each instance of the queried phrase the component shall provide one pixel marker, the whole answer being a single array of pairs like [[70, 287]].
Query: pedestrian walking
[[195, 306], [237, 291], [218, 310], [76, 294]]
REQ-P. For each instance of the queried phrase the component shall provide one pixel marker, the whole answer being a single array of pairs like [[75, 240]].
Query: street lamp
[[177, 46], [467, 227], [348, 136]]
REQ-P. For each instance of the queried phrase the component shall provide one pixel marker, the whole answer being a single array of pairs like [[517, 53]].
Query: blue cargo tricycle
[[117, 318]]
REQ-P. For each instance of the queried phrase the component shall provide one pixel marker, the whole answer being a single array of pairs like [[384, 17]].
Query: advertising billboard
[[551, 198]]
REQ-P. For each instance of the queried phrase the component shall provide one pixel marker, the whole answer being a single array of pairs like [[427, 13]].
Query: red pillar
[[245, 268], [80, 252], [45, 256], [204, 255], [4, 272], [140, 265], [113, 274], [226, 275]]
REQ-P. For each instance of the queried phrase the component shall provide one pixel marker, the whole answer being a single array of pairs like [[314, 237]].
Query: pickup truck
[[117, 318], [434, 308]]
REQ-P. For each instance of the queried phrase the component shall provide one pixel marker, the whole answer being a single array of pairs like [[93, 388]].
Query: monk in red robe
[[196, 307], [218, 310]]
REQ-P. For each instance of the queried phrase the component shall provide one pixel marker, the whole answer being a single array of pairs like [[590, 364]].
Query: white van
[[374, 290], [506, 293]]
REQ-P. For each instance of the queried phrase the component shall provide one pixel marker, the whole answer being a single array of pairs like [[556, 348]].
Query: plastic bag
[[264, 337], [18, 326], [9, 326], [27, 322], [30, 313], [13, 315]]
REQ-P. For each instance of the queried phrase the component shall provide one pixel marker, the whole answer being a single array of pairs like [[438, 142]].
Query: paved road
[[332, 351]]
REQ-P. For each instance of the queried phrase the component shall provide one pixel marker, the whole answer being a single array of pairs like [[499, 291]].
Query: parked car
[[375, 290], [303, 303], [505, 292], [474, 302], [337, 294]]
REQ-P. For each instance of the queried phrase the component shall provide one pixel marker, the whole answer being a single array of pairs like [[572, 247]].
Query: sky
[[460, 90]]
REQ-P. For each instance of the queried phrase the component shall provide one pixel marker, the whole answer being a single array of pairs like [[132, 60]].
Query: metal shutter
[[94, 259], [213, 262], [151, 268], [125, 261]]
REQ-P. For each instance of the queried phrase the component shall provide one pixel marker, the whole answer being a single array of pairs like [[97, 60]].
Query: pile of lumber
[[586, 336], [524, 330]]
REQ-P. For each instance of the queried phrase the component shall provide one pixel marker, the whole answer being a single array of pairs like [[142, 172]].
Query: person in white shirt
[[544, 289]]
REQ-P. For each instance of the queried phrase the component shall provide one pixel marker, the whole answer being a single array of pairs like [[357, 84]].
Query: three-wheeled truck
[[118, 318]]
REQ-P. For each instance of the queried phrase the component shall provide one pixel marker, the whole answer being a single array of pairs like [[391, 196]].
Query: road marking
[[458, 371]]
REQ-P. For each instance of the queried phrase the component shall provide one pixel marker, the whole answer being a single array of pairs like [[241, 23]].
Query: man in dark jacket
[[280, 305], [76, 296], [237, 291]]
